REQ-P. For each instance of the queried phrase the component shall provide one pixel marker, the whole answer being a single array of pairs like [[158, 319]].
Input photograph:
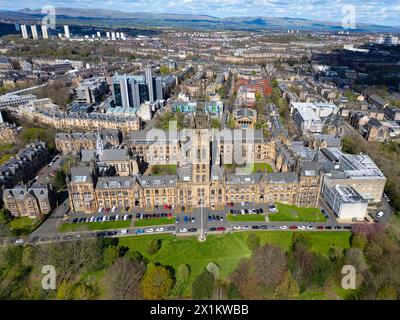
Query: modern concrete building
[[346, 203]]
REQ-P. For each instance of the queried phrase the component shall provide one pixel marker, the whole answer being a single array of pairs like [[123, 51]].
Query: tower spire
[[99, 145]]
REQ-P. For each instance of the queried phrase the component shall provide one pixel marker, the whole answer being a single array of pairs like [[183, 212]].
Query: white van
[[379, 214]]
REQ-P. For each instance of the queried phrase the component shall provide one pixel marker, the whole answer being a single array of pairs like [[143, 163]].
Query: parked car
[[100, 210], [264, 227], [310, 227], [255, 227], [113, 209], [171, 229], [177, 220], [212, 229], [160, 229], [237, 227], [302, 227], [140, 231], [328, 227], [221, 229], [75, 220], [293, 227], [379, 215], [246, 228], [149, 230], [283, 227], [92, 219], [272, 208], [320, 227], [193, 219], [183, 230], [192, 230]]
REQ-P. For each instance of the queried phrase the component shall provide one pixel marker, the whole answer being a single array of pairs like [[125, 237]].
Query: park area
[[246, 217], [154, 222], [224, 250], [293, 213]]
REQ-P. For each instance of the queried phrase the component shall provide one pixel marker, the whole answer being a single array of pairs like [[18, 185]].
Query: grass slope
[[225, 250]]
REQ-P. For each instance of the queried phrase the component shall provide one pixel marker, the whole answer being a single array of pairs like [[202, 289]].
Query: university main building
[[201, 157]]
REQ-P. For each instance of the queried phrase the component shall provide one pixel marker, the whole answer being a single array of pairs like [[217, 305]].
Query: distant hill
[[134, 19]]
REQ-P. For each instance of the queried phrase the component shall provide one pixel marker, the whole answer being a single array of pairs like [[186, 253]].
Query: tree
[[123, 278], [154, 246], [253, 241], [110, 254], [164, 70], [5, 216], [302, 264], [182, 280], [359, 241], [288, 288], [215, 124], [213, 269], [203, 286], [59, 180], [269, 263], [156, 283], [355, 257]]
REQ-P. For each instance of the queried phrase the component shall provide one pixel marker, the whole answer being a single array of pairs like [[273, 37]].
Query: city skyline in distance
[[370, 12]]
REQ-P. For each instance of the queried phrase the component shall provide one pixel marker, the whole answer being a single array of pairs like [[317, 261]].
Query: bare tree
[[124, 278], [270, 265]]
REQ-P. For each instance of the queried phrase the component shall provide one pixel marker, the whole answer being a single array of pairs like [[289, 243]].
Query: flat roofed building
[[346, 203]]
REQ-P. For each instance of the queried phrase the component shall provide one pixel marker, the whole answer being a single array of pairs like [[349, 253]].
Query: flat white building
[[346, 203], [307, 120]]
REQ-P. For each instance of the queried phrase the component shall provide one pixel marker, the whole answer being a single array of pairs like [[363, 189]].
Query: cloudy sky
[[383, 12]]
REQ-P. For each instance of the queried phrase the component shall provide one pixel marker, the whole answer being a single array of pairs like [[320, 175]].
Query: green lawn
[[224, 250], [6, 146], [293, 213], [154, 222], [23, 225], [4, 158], [89, 226], [167, 169], [246, 217], [263, 167]]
